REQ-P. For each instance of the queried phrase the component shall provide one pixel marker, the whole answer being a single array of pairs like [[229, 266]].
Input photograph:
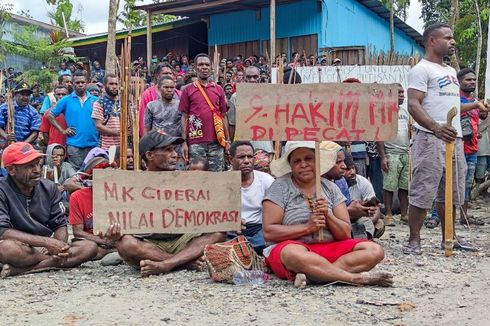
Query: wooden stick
[[10, 112], [126, 57], [318, 182], [449, 214]]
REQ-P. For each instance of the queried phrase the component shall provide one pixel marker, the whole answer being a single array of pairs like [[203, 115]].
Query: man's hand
[[227, 148], [11, 138], [69, 132], [446, 133], [321, 207], [356, 209], [185, 152], [57, 248], [385, 165], [113, 233]]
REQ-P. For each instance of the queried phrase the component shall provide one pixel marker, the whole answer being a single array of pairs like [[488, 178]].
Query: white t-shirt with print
[[253, 195], [441, 88]]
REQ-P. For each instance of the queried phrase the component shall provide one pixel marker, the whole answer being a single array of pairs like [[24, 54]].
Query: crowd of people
[[58, 140]]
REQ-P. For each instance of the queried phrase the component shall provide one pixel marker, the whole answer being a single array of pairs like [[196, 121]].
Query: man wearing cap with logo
[[161, 253], [27, 120], [33, 232]]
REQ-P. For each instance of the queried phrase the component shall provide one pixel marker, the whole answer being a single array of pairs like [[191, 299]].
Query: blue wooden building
[[347, 28]]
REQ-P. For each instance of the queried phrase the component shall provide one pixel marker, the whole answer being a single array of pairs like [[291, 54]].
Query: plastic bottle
[[250, 277]]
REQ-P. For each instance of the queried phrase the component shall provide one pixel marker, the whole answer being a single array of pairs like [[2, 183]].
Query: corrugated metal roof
[[204, 8]]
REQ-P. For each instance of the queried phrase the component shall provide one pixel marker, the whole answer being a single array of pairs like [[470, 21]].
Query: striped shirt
[[26, 120], [110, 119]]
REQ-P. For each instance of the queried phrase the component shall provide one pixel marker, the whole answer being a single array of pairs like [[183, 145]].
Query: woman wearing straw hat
[[293, 215]]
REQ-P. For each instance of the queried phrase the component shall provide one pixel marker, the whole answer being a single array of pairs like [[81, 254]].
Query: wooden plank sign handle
[[448, 195], [318, 185]]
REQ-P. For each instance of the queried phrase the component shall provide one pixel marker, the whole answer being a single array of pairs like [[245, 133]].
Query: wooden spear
[[449, 212]]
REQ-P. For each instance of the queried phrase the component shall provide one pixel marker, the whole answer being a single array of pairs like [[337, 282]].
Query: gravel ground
[[429, 290]]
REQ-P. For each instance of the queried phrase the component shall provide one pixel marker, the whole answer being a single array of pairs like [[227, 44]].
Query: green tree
[[132, 18], [28, 44], [470, 29], [5, 9], [65, 8]]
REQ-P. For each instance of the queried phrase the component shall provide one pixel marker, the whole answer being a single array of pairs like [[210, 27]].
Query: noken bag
[[226, 258]]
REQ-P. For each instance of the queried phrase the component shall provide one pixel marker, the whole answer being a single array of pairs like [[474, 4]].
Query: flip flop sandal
[[465, 245], [412, 250], [432, 222]]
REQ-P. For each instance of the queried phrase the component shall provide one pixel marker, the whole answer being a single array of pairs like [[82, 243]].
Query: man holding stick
[[26, 118], [433, 89], [161, 253]]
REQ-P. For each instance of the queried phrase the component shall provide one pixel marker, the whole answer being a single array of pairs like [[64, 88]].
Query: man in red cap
[[33, 232]]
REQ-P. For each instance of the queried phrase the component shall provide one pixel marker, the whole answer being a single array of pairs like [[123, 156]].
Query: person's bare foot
[[376, 278], [9, 270], [150, 267], [197, 265], [300, 281]]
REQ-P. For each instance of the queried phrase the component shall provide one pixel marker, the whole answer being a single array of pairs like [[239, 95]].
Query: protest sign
[[341, 112], [167, 202]]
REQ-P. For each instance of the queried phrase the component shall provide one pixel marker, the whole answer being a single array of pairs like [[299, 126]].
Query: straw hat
[[328, 156]]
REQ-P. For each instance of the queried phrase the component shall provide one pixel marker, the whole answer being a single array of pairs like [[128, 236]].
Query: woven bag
[[226, 258]]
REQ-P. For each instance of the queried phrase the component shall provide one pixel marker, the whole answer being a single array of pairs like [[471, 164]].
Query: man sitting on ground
[[359, 214], [254, 185], [33, 233], [170, 251], [82, 207]]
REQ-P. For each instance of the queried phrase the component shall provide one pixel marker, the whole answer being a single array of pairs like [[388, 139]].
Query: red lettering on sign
[[291, 133], [168, 218], [310, 134], [315, 115], [179, 194], [126, 193], [299, 113], [143, 222], [256, 105], [111, 191], [147, 193], [278, 111], [258, 132]]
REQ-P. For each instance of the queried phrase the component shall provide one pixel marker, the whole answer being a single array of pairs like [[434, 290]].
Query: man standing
[[81, 133], [164, 113], [151, 94], [27, 121], [33, 233], [106, 112], [198, 103], [50, 135], [433, 89], [98, 73], [50, 100], [170, 250], [254, 185], [471, 112], [394, 163]]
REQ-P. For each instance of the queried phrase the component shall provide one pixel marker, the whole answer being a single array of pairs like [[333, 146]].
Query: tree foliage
[[65, 7], [465, 28], [132, 18], [400, 6]]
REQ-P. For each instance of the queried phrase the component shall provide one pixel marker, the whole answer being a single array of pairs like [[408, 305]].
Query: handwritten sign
[[316, 112], [366, 74], [167, 202]]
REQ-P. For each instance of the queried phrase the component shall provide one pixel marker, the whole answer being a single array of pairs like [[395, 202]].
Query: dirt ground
[[429, 290]]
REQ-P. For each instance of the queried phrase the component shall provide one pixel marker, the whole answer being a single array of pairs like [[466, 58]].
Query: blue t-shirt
[[26, 119], [79, 118], [344, 188]]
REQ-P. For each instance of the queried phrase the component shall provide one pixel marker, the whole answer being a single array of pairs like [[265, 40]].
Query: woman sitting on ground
[[293, 215]]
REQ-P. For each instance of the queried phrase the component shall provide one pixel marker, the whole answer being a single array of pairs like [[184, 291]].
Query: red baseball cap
[[19, 153]]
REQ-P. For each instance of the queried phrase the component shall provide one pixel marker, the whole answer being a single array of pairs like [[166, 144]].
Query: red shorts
[[331, 251]]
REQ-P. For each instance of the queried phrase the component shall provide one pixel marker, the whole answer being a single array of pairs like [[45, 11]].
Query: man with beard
[[472, 111], [362, 225], [161, 253], [254, 185], [198, 103], [27, 120], [81, 133], [106, 111], [433, 89], [33, 233]]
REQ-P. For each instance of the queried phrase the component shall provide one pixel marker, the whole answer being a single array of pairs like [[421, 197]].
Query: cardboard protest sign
[[316, 112], [166, 202]]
